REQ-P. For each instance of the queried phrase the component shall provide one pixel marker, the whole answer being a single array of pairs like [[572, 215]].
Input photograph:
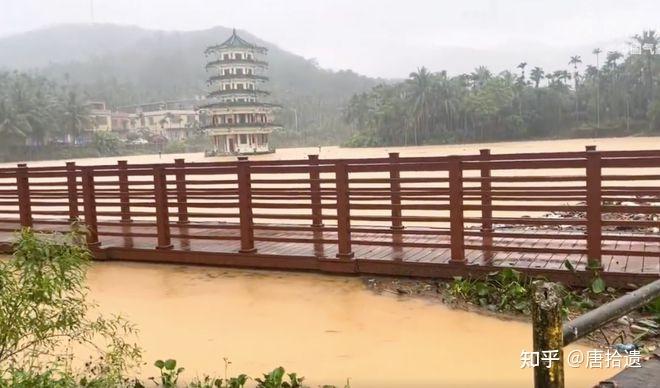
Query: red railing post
[[124, 194], [594, 208], [72, 188], [89, 205], [23, 195], [395, 191], [245, 205], [343, 212], [486, 208], [181, 194], [162, 208], [456, 210], [315, 191]]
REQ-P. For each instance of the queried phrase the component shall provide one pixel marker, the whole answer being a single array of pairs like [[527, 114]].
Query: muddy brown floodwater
[[326, 328]]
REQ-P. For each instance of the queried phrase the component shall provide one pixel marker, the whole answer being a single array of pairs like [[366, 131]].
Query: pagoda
[[238, 120]]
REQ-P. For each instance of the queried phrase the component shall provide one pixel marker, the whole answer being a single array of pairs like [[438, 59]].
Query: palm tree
[[648, 43], [597, 52], [575, 61], [537, 75], [13, 125], [479, 77], [520, 86], [522, 66], [612, 58], [421, 100], [75, 117]]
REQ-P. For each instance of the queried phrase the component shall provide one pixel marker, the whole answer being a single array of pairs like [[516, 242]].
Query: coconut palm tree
[[597, 52], [522, 66], [537, 75], [421, 100], [648, 43], [75, 117], [479, 77], [575, 61]]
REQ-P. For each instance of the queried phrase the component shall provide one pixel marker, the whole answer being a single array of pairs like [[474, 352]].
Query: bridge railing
[[593, 207]]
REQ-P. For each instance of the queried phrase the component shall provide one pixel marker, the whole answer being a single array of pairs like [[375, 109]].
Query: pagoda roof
[[236, 41]]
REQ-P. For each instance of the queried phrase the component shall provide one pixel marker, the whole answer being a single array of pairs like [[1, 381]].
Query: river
[[327, 328]]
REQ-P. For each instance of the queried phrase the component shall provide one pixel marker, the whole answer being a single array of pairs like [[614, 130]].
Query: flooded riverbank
[[324, 327], [603, 144]]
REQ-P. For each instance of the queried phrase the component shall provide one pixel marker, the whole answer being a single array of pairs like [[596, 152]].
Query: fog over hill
[[128, 65]]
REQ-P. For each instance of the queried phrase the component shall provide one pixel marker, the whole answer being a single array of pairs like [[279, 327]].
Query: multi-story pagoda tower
[[239, 122]]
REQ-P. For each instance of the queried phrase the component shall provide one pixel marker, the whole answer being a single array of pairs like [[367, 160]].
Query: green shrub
[[44, 310]]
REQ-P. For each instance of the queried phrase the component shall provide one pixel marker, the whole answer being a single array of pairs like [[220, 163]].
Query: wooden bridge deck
[[205, 243]]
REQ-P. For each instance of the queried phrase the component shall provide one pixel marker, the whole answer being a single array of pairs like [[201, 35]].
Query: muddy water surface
[[324, 327]]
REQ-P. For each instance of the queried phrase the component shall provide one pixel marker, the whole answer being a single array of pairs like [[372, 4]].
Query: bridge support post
[[124, 195], [245, 205], [547, 335], [89, 204], [343, 212], [23, 195], [181, 194], [456, 210], [486, 208], [594, 208], [72, 188], [395, 191], [315, 191], [162, 208]]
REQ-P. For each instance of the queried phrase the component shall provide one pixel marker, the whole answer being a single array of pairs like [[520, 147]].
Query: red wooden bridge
[[419, 216]]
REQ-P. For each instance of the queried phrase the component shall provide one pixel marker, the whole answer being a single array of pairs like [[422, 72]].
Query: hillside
[[127, 65]]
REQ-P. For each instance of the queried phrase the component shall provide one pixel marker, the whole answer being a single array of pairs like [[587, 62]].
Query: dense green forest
[[34, 109], [615, 97]]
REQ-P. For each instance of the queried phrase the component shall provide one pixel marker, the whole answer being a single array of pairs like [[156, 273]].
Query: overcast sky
[[385, 38]]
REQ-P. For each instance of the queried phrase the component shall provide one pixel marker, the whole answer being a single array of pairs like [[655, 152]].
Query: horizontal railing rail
[[591, 206]]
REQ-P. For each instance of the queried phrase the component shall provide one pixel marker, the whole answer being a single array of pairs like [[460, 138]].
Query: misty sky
[[387, 38]]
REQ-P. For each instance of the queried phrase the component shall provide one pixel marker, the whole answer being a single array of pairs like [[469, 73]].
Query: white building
[[238, 121]]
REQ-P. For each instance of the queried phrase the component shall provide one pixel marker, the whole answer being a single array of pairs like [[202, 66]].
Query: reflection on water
[[324, 327]]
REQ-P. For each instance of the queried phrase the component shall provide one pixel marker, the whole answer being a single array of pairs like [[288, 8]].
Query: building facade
[[173, 120], [237, 119]]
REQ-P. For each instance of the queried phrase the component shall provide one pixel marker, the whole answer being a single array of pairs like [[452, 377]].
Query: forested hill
[[128, 65]]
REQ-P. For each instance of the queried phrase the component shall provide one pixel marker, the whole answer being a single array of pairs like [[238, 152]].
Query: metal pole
[[586, 323]]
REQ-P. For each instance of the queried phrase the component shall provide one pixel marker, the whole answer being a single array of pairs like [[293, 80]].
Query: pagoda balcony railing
[[241, 125], [237, 76], [220, 49], [228, 92], [232, 104], [237, 62]]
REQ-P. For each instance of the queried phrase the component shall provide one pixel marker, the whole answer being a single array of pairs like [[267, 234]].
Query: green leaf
[[170, 364], [159, 364], [598, 285]]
